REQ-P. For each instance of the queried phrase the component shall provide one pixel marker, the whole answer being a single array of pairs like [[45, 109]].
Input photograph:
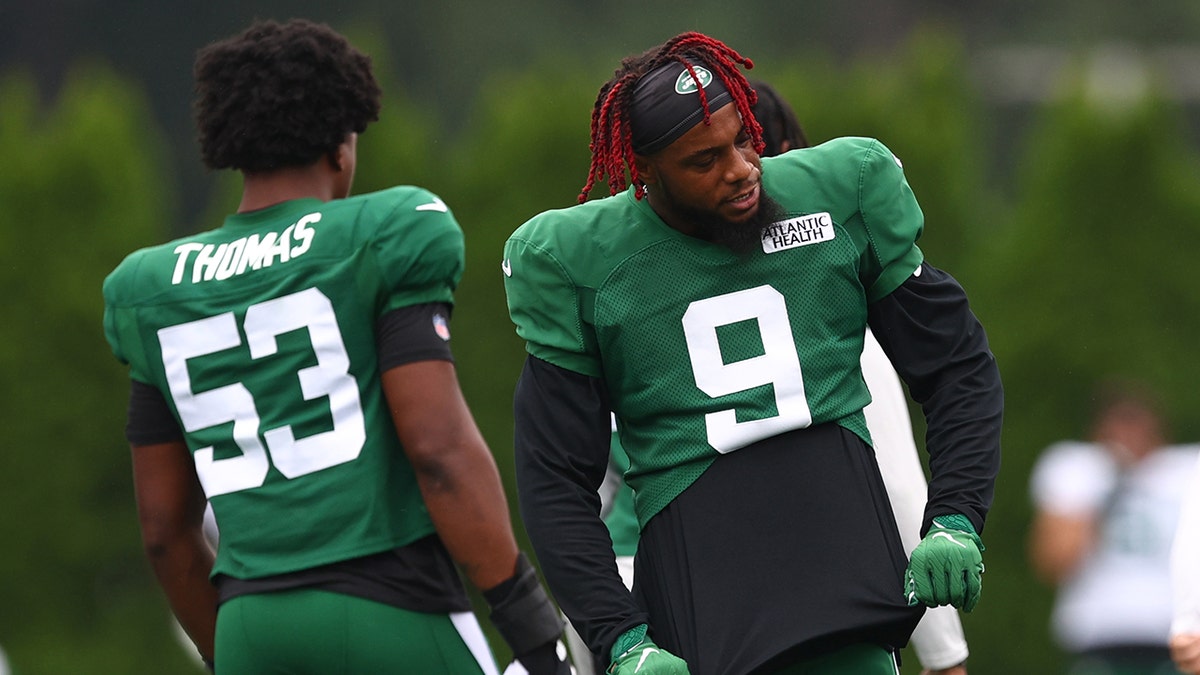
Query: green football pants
[[859, 659], [304, 631]]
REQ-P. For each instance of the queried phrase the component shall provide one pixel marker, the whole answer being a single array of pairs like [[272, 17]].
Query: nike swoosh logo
[[506, 267], [947, 536], [436, 205], [645, 653]]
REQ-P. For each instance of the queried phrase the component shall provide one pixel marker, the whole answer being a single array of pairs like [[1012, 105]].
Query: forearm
[[963, 440], [563, 429], [182, 567], [170, 504], [465, 498], [928, 331], [455, 471]]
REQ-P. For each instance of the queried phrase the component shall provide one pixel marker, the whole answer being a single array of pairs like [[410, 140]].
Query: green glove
[[634, 652], [946, 568]]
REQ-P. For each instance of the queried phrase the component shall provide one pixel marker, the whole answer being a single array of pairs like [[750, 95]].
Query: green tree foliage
[[920, 103], [83, 188], [525, 151]]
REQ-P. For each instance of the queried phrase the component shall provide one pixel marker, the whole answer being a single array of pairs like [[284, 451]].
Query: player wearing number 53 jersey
[[261, 333], [293, 368], [718, 307]]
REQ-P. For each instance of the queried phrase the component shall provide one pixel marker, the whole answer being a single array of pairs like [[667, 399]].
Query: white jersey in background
[[1121, 594]]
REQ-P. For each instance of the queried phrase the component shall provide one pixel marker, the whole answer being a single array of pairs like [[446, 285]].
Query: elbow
[[160, 536], [443, 464]]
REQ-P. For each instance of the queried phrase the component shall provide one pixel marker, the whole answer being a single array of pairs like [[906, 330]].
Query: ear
[[343, 156], [337, 158], [646, 169]]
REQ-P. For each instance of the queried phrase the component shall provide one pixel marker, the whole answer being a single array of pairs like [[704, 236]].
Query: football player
[[293, 367], [717, 303], [938, 640]]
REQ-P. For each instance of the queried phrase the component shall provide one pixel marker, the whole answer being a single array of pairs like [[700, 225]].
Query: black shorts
[[780, 551]]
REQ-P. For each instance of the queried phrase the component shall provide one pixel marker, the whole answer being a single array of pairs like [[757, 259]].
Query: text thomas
[[248, 253]]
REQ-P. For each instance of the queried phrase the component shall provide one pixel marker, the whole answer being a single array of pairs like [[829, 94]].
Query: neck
[[268, 188], [676, 221]]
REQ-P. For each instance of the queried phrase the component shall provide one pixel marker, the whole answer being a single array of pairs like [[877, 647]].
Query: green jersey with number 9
[[261, 336], [705, 352]]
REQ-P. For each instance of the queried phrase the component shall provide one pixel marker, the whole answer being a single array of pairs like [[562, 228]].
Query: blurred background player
[[293, 367], [687, 303], [1106, 511], [938, 640]]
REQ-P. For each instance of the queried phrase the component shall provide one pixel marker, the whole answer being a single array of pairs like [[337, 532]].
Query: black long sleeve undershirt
[[563, 427], [929, 333]]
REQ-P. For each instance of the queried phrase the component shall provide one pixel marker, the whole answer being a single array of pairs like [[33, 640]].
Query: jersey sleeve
[[419, 247], [892, 219], [547, 306], [120, 319]]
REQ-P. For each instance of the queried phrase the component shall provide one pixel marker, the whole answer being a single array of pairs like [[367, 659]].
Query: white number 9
[[778, 365]]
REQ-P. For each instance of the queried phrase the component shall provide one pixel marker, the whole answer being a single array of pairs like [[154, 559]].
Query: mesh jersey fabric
[[704, 352]]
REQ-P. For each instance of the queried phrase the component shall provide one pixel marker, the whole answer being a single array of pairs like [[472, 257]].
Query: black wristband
[[522, 612]]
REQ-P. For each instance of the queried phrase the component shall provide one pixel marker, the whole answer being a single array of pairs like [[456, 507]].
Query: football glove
[[946, 567], [636, 654]]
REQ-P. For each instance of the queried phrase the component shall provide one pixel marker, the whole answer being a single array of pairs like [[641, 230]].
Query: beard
[[742, 238]]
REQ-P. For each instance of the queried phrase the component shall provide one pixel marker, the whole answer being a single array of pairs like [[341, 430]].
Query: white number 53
[[330, 378]]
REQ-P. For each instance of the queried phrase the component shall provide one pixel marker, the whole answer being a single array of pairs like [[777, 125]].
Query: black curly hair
[[778, 120], [280, 95]]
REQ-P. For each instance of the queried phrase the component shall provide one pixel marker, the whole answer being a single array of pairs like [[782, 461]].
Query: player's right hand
[[644, 657]]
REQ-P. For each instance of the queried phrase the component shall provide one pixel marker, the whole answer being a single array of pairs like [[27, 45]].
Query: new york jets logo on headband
[[666, 103], [686, 84]]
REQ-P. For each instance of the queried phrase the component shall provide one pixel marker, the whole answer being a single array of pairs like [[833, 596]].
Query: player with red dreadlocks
[[612, 140], [716, 302]]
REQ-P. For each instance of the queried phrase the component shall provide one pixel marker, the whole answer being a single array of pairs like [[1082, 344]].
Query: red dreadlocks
[[611, 143]]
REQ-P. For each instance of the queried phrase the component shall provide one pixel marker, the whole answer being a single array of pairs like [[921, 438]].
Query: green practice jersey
[[261, 336], [704, 352]]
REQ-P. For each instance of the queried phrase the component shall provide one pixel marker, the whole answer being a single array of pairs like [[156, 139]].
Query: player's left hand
[[946, 568], [1185, 651]]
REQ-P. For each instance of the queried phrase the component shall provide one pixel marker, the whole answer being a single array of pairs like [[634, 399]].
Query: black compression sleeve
[[527, 620], [927, 329], [563, 429], [149, 420], [414, 333]]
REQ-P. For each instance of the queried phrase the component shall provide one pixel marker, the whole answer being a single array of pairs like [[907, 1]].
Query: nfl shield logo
[[441, 327]]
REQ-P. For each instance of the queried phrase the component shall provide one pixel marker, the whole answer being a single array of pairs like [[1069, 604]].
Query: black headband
[[666, 104]]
